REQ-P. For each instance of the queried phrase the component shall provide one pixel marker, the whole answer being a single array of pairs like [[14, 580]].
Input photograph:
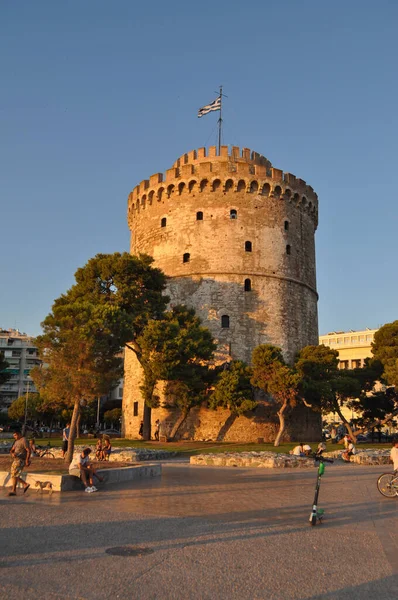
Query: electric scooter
[[317, 513]]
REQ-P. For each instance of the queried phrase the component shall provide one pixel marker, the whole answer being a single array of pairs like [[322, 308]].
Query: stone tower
[[235, 236]]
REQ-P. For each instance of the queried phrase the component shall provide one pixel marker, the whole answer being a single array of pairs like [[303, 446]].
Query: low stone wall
[[139, 455], [126, 454], [271, 460], [367, 456], [268, 460], [66, 483], [5, 447]]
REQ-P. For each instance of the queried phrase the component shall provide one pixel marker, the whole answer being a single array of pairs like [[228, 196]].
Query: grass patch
[[193, 448]]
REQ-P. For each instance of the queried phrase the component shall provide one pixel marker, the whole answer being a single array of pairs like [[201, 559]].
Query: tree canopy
[[113, 416], [176, 349], [325, 388], [233, 389], [109, 305], [32, 403], [277, 379], [385, 349]]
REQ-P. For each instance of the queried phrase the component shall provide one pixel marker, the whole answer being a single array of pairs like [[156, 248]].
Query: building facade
[[21, 355], [353, 346], [235, 236]]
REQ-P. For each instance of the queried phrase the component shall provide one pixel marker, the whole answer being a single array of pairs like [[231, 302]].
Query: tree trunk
[[147, 423], [79, 418], [281, 415], [179, 422], [346, 423], [72, 432], [226, 427]]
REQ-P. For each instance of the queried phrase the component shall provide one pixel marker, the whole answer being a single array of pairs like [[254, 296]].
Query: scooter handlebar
[[323, 458]]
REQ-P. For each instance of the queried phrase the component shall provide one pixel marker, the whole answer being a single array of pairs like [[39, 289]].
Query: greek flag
[[215, 105]]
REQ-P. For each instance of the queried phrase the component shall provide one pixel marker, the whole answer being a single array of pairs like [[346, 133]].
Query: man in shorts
[[65, 439], [20, 453]]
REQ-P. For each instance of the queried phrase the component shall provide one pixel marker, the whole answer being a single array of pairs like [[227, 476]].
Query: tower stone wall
[[235, 236]]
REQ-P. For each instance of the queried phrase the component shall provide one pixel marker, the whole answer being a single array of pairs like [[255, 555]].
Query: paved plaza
[[204, 533]]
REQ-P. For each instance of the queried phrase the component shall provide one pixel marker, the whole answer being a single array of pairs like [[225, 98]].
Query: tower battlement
[[235, 154], [229, 171]]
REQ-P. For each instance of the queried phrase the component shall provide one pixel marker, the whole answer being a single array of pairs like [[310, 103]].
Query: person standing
[[141, 430], [157, 427], [394, 454], [20, 452], [65, 439]]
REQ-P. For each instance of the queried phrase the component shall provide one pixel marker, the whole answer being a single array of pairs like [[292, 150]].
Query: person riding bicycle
[[394, 454]]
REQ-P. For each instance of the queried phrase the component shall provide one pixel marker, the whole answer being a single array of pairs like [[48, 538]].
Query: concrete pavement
[[205, 533]]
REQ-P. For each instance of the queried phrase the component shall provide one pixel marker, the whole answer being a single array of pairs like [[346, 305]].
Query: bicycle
[[387, 484], [44, 452]]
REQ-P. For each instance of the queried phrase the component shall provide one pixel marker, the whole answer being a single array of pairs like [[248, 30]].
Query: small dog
[[43, 485]]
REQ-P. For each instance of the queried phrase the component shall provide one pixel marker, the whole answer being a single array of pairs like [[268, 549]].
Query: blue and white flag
[[215, 105]]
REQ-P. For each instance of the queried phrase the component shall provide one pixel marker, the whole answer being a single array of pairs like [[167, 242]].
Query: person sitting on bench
[[81, 467]]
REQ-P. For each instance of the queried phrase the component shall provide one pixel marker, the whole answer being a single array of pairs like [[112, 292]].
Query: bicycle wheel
[[387, 484], [48, 455]]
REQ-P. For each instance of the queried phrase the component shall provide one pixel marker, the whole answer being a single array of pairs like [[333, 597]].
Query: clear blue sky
[[98, 95]]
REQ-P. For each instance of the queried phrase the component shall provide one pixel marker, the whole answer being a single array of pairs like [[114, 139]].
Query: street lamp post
[[26, 409], [98, 413]]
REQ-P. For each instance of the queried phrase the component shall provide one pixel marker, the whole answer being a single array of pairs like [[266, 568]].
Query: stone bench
[[65, 482]]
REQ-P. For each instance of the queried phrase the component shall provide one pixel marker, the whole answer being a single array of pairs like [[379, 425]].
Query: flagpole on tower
[[220, 123], [215, 105]]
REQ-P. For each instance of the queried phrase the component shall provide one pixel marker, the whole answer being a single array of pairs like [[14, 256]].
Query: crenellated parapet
[[228, 172], [234, 155]]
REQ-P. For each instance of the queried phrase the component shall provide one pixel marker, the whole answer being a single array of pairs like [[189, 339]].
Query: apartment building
[[353, 346], [21, 355]]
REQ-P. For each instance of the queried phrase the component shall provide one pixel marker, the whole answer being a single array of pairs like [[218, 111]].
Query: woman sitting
[[107, 449], [98, 450], [349, 451]]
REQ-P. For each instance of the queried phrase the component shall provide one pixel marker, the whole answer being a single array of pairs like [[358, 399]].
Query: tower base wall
[[202, 423]]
